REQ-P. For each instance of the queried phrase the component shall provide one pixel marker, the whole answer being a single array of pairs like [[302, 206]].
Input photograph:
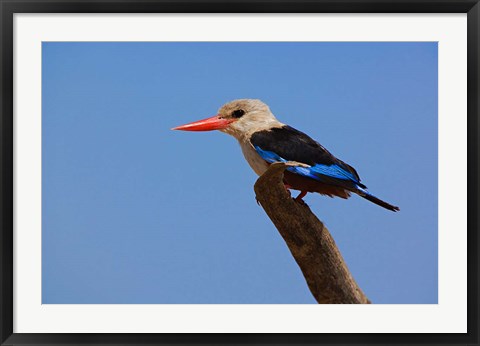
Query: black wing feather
[[294, 145]]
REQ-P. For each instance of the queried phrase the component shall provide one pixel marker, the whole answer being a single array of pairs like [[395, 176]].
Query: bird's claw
[[300, 201], [299, 198]]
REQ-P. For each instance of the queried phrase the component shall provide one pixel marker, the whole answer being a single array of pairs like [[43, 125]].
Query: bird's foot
[[299, 198]]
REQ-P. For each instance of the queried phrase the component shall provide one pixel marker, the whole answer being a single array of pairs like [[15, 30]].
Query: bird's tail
[[365, 194], [381, 203]]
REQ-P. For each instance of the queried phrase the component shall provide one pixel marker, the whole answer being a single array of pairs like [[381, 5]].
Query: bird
[[265, 140]]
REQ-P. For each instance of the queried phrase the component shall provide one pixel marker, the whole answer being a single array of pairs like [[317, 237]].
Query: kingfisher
[[265, 140]]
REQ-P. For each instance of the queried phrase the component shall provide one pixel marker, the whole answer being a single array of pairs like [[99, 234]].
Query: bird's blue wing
[[287, 144], [315, 172]]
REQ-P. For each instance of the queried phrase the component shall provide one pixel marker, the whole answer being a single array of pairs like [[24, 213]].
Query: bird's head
[[239, 118]]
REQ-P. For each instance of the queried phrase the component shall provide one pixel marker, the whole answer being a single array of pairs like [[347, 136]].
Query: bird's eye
[[238, 113]]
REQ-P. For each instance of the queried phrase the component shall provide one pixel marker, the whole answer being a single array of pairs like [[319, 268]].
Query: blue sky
[[133, 212]]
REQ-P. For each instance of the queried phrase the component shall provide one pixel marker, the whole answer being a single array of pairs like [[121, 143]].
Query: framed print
[[341, 207]]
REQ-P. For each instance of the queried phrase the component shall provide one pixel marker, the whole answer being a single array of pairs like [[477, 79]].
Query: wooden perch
[[309, 241]]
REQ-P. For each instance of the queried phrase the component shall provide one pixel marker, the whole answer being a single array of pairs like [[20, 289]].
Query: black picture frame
[[9, 7]]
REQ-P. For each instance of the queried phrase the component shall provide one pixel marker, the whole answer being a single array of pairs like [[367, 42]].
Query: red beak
[[209, 124]]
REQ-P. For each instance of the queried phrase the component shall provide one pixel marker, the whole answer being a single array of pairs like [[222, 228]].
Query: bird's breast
[[254, 160]]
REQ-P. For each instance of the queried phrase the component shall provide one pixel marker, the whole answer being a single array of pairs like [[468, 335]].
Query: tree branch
[[309, 241]]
